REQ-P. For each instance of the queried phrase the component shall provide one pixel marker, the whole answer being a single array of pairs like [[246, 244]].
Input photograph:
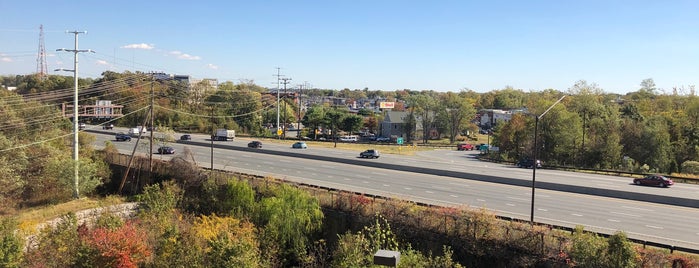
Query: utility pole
[[278, 79], [76, 191], [152, 106], [285, 81]]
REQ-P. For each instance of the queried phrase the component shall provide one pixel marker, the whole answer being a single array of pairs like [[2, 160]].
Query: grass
[[28, 218]]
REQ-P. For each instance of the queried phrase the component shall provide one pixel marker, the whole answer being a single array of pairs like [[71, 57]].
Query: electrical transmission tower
[[41, 67]]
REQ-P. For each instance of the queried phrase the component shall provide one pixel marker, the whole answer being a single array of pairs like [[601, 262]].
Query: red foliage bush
[[122, 247]]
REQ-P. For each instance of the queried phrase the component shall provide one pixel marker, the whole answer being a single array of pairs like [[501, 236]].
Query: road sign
[[399, 140], [279, 131]]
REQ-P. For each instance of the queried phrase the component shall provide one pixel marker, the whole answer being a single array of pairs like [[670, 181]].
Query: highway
[[667, 224]]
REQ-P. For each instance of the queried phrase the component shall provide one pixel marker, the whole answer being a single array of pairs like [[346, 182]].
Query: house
[[489, 118], [393, 124]]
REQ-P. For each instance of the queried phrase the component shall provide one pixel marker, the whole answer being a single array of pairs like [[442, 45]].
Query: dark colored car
[[186, 137], [108, 126], [122, 137], [299, 145], [654, 180], [371, 153], [383, 139], [255, 144], [528, 163], [465, 147], [166, 150]]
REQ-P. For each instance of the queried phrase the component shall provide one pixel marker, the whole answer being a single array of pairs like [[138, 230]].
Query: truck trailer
[[223, 134]]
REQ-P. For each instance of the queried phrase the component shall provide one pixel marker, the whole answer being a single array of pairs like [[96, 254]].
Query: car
[[255, 144], [383, 139], [122, 137], [299, 145], [166, 150], [186, 137], [465, 147], [654, 180], [528, 163], [82, 126], [371, 153], [108, 126], [482, 147]]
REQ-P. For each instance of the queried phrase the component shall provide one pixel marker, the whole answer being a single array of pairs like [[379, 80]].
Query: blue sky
[[382, 45]]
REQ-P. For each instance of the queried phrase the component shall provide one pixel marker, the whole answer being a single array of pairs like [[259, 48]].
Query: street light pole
[[76, 192], [536, 155]]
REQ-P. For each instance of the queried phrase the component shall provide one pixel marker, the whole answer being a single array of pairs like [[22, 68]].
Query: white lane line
[[407, 188], [480, 200], [365, 182], [510, 204], [459, 184], [386, 185], [267, 163], [348, 179], [625, 214], [314, 174], [577, 215], [654, 227], [429, 192], [326, 166], [378, 173], [331, 176], [455, 196], [517, 198], [284, 169], [541, 195], [310, 168], [635, 208], [613, 220], [284, 161], [542, 209]]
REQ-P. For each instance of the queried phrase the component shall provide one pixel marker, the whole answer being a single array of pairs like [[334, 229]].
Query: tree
[[314, 118], [425, 107], [352, 123], [334, 119], [455, 114]]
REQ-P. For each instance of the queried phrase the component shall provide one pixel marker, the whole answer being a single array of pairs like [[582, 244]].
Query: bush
[[691, 167], [10, 244]]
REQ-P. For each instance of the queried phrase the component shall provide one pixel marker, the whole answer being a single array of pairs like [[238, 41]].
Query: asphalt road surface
[[672, 225]]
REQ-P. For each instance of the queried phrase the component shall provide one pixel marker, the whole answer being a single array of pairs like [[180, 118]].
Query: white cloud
[[6, 59], [211, 66], [140, 46], [184, 56], [102, 62]]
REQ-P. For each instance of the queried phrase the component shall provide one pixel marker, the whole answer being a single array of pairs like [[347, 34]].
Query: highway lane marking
[[386, 185], [365, 182], [310, 168], [429, 192], [625, 214], [480, 200], [284, 161], [347, 179], [637, 208], [454, 196], [268, 163], [517, 198], [510, 204], [327, 166], [314, 174], [613, 220], [460, 184], [378, 173], [654, 227], [440, 188], [407, 188], [577, 215], [542, 209], [284, 169]]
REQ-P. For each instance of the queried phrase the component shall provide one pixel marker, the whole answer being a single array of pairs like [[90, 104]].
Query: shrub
[[10, 244], [691, 167], [160, 201]]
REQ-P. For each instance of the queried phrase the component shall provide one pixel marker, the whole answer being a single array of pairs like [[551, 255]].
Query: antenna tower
[[41, 67]]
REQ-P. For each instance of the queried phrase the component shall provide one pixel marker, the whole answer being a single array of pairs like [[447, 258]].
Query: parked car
[[108, 126], [371, 153], [81, 126], [166, 150], [383, 139], [299, 145], [122, 137], [186, 137], [465, 147], [528, 163], [255, 144], [654, 180]]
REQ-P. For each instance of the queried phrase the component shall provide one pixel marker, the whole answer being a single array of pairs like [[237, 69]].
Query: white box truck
[[134, 132], [223, 134]]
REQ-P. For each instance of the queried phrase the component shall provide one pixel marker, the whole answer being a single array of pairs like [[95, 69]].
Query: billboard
[[386, 104]]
